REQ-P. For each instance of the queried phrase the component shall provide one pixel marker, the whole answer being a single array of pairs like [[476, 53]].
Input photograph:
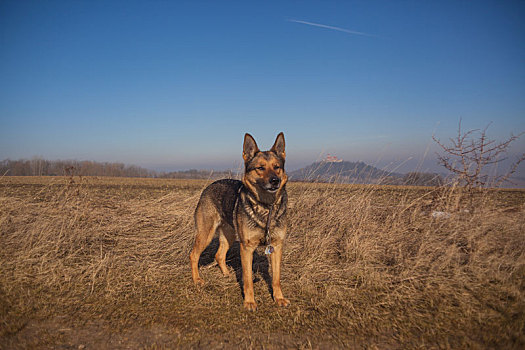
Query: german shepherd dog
[[253, 209]]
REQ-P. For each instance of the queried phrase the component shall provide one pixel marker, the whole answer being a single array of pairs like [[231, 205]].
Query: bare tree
[[471, 152]]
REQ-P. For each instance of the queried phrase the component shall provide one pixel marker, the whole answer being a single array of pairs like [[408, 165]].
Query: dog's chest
[[251, 218]]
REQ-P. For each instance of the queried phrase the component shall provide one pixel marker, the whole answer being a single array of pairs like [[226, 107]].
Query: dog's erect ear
[[278, 146], [250, 148]]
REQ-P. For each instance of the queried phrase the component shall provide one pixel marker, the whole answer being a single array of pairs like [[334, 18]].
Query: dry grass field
[[99, 263]]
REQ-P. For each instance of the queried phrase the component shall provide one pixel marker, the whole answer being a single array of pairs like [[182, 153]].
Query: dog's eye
[[260, 168], [276, 167]]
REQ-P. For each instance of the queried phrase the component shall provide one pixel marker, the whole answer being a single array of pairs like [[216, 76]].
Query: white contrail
[[331, 27]]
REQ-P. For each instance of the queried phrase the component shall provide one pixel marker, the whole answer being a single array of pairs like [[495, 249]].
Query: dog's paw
[[199, 282], [250, 305], [282, 302]]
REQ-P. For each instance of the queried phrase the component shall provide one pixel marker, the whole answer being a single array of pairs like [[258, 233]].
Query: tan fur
[[232, 207]]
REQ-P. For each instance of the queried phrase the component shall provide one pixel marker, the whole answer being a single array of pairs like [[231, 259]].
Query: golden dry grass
[[103, 263]]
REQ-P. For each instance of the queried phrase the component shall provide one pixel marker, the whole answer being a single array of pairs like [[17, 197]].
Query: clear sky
[[175, 84]]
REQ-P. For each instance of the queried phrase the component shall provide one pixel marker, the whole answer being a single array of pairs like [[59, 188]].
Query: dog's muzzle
[[273, 184]]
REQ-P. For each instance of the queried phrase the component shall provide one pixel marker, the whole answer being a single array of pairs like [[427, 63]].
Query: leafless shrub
[[471, 152]]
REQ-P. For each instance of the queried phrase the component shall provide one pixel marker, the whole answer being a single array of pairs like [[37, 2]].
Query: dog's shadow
[[260, 265]]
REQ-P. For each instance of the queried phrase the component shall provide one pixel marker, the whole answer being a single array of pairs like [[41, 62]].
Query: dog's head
[[264, 171]]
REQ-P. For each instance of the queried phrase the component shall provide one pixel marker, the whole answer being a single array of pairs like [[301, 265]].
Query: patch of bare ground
[[94, 263]]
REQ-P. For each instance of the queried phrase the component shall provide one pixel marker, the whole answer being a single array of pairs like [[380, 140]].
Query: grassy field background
[[103, 263]]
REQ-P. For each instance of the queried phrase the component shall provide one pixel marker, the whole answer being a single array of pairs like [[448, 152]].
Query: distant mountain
[[344, 172], [339, 171]]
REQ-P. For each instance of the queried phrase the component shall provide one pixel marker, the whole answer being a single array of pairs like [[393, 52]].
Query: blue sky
[[176, 84]]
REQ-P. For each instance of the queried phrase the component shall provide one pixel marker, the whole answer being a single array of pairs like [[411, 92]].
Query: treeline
[[199, 174], [42, 167]]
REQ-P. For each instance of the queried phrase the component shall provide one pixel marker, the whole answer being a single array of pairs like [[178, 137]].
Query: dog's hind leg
[[206, 222], [226, 239]]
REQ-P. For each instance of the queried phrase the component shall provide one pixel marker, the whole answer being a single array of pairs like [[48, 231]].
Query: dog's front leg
[[276, 257], [247, 276]]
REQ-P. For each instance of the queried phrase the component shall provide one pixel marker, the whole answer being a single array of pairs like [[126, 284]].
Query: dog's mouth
[[272, 189], [271, 185]]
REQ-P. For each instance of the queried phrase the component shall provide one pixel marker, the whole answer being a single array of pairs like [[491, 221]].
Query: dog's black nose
[[275, 181]]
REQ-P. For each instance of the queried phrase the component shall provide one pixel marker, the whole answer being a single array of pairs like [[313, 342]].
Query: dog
[[253, 209]]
